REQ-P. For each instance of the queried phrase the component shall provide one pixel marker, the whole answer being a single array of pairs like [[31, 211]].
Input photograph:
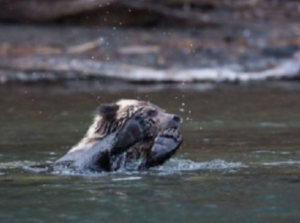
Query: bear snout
[[173, 121], [176, 118]]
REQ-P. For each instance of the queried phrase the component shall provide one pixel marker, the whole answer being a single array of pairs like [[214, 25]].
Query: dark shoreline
[[149, 54]]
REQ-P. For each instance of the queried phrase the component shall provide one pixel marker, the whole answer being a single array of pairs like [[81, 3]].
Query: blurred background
[[149, 40], [229, 68]]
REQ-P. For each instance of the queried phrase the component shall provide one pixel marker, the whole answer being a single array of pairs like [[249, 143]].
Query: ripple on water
[[127, 178], [16, 164], [273, 152], [175, 165], [282, 163], [273, 124]]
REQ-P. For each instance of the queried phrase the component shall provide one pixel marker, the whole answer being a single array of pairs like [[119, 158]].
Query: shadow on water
[[240, 160]]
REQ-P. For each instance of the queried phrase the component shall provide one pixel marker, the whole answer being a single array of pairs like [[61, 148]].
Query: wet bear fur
[[127, 135]]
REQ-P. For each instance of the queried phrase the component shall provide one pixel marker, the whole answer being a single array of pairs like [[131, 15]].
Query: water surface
[[240, 161]]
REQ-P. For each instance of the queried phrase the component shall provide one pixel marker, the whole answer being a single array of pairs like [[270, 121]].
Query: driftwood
[[37, 68]]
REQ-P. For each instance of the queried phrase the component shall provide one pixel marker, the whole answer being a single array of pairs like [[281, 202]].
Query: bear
[[125, 135]]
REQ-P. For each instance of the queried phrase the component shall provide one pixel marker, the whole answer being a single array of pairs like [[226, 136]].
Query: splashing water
[[172, 166], [177, 165], [15, 164]]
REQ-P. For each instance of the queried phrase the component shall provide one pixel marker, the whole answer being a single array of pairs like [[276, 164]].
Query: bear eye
[[152, 113]]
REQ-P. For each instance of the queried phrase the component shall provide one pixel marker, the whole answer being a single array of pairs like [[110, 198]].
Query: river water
[[240, 161]]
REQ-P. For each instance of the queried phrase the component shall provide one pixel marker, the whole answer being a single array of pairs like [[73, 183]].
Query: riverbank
[[251, 51]]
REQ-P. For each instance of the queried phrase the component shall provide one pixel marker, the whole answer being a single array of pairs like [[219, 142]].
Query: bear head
[[111, 117]]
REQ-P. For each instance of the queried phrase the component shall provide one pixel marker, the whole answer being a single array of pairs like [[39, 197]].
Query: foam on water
[[127, 178], [16, 164], [71, 172], [173, 166], [188, 165]]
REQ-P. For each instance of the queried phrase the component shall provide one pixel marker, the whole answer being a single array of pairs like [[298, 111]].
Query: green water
[[240, 161]]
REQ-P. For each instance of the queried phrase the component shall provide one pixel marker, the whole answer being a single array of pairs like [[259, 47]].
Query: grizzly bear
[[126, 135]]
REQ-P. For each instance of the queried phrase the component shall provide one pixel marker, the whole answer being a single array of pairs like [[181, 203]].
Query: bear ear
[[108, 111]]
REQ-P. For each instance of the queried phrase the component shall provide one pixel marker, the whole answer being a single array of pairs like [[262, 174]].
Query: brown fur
[[128, 129]]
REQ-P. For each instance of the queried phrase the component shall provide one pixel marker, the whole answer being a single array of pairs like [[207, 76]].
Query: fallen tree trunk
[[30, 69]]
